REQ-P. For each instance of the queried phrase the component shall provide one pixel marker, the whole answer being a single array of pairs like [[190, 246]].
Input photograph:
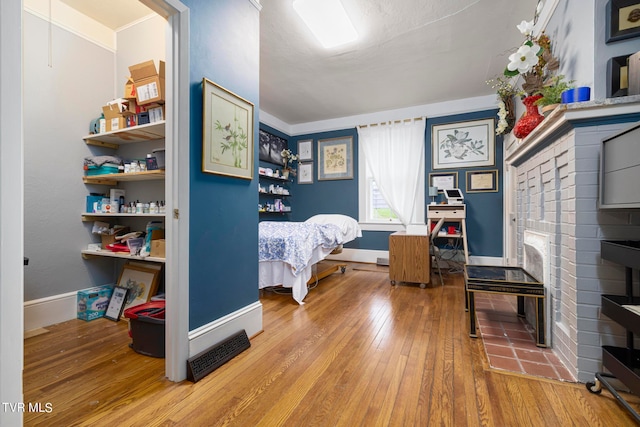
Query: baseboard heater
[[202, 364]]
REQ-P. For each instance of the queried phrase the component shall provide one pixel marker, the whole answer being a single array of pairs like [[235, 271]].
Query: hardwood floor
[[359, 352]]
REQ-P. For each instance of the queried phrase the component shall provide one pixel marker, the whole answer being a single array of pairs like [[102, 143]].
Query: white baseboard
[[359, 255], [248, 318], [486, 260], [48, 311]]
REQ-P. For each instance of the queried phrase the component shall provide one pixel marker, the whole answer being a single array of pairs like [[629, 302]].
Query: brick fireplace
[[553, 175]]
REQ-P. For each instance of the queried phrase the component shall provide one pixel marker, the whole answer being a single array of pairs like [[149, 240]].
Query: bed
[[288, 251]]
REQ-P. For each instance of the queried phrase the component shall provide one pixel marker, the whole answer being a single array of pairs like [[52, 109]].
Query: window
[[374, 213]]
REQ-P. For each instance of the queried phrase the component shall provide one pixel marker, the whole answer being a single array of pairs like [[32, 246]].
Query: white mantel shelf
[[516, 149]]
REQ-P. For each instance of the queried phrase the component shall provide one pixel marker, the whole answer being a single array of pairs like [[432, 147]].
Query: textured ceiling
[[410, 52]]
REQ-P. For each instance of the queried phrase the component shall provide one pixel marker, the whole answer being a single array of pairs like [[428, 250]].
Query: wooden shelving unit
[[114, 139]]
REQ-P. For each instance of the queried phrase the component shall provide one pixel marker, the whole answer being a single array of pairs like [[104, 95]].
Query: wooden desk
[[409, 259], [505, 280], [451, 213]]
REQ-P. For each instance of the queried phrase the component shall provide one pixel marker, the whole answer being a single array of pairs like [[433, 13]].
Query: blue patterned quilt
[[294, 242]]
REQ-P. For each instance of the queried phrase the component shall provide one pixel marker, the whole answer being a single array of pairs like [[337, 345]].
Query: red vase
[[531, 118]]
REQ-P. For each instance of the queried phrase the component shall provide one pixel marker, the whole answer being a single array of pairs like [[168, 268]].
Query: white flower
[[524, 59], [526, 27], [539, 8]]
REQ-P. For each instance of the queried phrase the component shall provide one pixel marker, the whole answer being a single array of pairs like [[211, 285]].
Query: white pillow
[[348, 226]]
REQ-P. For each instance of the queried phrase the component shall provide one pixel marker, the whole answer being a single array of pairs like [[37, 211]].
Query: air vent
[[202, 364], [382, 261]]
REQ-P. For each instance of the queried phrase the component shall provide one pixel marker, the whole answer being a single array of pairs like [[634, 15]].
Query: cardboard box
[[156, 114], [108, 239], [113, 117], [149, 82], [93, 302], [158, 248], [129, 89]]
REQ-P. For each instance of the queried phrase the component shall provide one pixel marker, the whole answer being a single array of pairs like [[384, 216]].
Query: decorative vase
[[285, 173], [530, 119]]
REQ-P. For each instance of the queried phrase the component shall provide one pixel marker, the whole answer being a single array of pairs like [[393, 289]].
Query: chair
[[434, 250]]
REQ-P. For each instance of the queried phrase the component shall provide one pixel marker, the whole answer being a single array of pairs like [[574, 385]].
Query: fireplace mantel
[[562, 119]]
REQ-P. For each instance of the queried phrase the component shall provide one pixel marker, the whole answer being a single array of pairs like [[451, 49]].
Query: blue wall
[[484, 210], [223, 265]]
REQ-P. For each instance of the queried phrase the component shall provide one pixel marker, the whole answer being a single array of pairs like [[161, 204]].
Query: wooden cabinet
[[409, 259]]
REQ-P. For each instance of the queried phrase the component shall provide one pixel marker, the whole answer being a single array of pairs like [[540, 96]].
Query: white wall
[[66, 81]]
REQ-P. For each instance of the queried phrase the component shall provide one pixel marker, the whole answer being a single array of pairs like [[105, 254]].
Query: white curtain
[[394, 153]]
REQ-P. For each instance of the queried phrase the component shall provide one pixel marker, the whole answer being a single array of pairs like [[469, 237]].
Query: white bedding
[[274, 251]]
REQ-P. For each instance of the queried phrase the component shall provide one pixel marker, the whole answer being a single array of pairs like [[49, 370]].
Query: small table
[[505, 280]]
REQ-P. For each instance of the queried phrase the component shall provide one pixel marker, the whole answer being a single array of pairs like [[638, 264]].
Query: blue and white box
[[93, 302]]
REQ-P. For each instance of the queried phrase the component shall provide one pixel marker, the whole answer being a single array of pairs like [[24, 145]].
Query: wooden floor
[[359, 352]]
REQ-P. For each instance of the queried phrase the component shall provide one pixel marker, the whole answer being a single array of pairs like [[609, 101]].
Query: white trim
[[369, 256], [274, 122], [248, 318], [49, 311], [373, 226], [447, 108], [257, 4], [11, 210]]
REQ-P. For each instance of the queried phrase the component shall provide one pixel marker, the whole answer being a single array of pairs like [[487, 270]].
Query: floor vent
[[202, 364], [382, 261]]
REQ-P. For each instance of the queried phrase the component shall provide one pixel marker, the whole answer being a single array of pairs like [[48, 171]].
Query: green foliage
[[552, 90]]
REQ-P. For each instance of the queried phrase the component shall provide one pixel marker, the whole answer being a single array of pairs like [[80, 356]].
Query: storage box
[[92, 199], [158, 248], [108, 239], [129, 89], [149, 82], [156, 114], [113, 117], [93, 302], [158, 153]]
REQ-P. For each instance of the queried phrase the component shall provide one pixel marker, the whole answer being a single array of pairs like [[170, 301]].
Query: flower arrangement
[[533, 60], [287, 157], [506, 113]]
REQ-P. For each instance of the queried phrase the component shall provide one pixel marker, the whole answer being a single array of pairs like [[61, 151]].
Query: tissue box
[[93, 302]]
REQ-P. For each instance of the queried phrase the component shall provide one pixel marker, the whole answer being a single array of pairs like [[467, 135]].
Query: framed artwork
[[335, 158], [271, 147], [227, 132], [463, 145], [482, 181], [305, 173], [622, 20], [443, 180], [305, 150], [116, 303], [141, 283], [618, 76]]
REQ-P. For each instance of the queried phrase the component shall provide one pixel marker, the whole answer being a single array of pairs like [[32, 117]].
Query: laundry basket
[[146, 328]]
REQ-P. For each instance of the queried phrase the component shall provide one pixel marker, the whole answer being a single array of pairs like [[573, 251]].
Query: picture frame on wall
[[141, 282], [270, 147], [482, 181], [463, 145], [443, 180], [305, 173], [618, 76], [227, 132], [335, 158], [305, 150], [622, 20]]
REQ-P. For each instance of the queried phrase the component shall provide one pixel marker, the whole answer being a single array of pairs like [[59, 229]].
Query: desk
[[505, 280], [409, 258], [451, 213]]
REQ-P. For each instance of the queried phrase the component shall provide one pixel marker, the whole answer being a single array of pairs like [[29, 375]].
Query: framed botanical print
[[227, 132], [335, 158], [463, 145], [305, 150], [305, 173]]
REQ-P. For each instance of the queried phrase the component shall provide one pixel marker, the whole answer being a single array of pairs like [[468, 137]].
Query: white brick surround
[[554, 172]]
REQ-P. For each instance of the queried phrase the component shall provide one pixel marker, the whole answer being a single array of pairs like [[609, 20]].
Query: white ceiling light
[[327, 20]]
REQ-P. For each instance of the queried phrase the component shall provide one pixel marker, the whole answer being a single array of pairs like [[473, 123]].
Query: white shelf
[[86, 253], [114, 139], [112, 178], [89, 216]]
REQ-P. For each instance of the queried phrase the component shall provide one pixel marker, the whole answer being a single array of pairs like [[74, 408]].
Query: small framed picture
[[443, 180], [335, 158], [482, 181], [116, 303], [142, 284], [305, 173], [622, 20], [305, 150], [618, 76]]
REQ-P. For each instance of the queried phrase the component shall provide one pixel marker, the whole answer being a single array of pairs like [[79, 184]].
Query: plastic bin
[[159, 155], [146, 328]]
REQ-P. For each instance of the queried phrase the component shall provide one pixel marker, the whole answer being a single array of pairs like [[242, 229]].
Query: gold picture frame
[[482, 181], [142, 284], [227, 132]]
